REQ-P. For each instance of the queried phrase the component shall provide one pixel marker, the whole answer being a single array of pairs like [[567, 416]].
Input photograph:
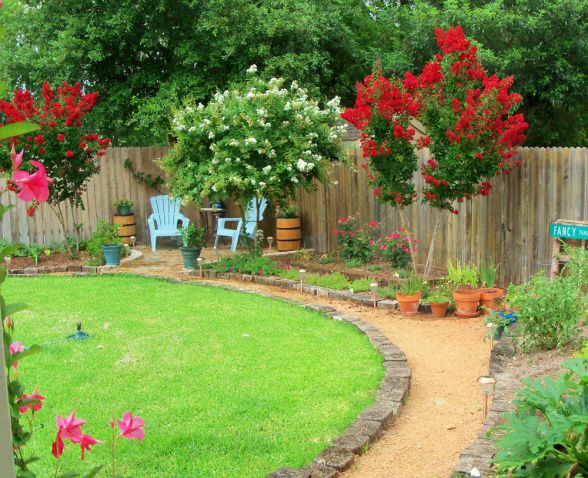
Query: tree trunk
[[404, 223], [77, 227], [60, 217], [429, 263]]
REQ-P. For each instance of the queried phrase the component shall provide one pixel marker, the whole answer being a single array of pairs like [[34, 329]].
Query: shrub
[[412, 285], [361, 285], [246, 264], [546, 435], [549, 311], [192, 236], [461, 276], [355, 241], [336, 281], [396, 247], [106, 234]]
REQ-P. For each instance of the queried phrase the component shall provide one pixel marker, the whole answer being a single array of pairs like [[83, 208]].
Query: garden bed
[[55, 259]]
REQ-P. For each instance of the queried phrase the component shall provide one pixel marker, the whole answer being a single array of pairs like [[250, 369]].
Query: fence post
[[6, 454]]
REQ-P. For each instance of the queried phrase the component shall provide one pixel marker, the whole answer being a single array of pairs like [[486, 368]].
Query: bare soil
[[54, 259]]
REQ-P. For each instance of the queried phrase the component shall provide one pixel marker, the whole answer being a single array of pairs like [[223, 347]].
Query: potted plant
[[409, 296], [106, 236], [464, 280], [192, 237], [123, 206], [288, 231], [439, 301], [489, 293]]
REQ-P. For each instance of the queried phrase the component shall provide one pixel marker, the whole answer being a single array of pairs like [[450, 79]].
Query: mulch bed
[[55, 259]]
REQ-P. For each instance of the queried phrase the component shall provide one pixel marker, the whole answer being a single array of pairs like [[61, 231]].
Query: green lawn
[[229, 384]]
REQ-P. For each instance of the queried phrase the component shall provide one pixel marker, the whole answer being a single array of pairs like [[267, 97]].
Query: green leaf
[[14, 308], [16, 129], [4, 208], [69, 474], [94, 472]]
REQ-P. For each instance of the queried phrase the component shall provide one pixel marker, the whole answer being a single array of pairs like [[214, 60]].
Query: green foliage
[[353, 263], [264, 139], [326, 260], [412, 285], [546, 436], [374, 267], [336, 281], [541, 42], [192, 236], [388, 292], [441, 293], [246, 264], [154, 182], [549, 311], [354, 240], [106, 234], [124, 203], [361, 285], [459, 275], [287, 212], [488, 273]]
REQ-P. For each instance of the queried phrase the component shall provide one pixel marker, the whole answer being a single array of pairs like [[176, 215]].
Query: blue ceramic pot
[[112, 254]]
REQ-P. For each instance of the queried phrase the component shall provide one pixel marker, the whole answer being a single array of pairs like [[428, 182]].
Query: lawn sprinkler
[[80, 334]]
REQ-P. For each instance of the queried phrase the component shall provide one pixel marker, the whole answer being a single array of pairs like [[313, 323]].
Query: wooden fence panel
[[511, 225]]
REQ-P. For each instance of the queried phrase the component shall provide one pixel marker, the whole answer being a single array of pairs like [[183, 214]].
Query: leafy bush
[[192, 236], [106, 234], [246, 264], [336, 281], [354, 240], [395, 248], [547, 434], [488, 273], [549, 311], [412, 285], [461, 275], [326, 260], [388, 292], [361, 285]]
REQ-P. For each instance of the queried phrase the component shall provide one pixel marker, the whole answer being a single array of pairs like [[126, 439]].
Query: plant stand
[[128, 228], [565, 230]]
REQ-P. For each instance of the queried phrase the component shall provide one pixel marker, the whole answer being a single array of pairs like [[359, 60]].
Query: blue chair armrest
[[151, 222], [184, 220]]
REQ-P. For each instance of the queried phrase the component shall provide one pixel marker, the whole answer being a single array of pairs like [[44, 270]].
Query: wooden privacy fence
[[511, 225]]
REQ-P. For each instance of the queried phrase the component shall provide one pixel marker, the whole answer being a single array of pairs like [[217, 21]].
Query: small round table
[[207, 213]]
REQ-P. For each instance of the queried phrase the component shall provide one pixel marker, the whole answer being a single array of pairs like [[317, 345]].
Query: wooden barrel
[[127, 227], [288, 234]]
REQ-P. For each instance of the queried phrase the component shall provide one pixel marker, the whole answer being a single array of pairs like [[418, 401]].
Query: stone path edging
[[482, 450], [369, 425]]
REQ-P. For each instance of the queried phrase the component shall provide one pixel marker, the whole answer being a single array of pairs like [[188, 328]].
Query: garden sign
[[561, 230]]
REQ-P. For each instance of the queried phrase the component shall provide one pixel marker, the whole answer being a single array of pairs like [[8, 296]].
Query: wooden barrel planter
[[128, 227], [288, 233]]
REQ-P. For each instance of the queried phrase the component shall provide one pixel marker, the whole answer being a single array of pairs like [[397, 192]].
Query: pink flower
[[70, 428], [16, 347], [35, 407], [31, 186], [131, 427], [57, 447], [86, 442]]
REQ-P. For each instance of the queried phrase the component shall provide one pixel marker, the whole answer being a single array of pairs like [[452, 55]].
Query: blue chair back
[[166, 211], [252, 215]]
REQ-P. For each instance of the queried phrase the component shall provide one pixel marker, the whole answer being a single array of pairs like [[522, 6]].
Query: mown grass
[[229, 384]]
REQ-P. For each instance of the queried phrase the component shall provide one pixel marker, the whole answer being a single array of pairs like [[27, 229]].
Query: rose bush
[[263, 140]]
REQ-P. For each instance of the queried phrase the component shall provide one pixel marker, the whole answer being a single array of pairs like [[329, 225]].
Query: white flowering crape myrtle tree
[[262, 140]]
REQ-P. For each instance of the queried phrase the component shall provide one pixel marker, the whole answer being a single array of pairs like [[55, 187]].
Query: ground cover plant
[[228, 384]]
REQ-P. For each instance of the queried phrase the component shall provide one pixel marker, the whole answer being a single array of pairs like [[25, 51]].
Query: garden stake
[[486, 386], [374, 289], [301, 273]]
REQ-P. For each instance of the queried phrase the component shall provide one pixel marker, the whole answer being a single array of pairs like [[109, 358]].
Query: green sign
[[568, 231]]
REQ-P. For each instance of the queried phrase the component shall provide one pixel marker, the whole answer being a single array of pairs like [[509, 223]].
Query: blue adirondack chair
[[164, 220], [251, 218]]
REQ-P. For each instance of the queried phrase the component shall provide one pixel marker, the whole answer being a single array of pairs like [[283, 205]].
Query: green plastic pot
[[112, 255], [124, 210], [189, 256]]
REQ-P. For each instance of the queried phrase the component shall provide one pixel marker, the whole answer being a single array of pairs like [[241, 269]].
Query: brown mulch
[[54, 259]]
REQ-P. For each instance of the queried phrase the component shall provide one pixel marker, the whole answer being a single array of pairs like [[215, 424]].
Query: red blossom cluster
[[64, 144], [471, 134]]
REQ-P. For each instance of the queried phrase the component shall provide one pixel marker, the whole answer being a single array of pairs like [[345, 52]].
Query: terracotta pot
[[409, 304], [439, 309], [466, 302], [488, 296]]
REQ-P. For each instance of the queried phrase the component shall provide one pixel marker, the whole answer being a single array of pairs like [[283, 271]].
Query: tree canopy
[[146, 56]]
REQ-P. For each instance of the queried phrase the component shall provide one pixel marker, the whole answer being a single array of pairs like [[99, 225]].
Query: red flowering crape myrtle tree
[[471, 134], [65, 145]]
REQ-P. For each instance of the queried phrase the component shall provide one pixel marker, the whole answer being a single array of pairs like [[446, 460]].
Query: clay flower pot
[[466, 302], [408, 304], [488, 296], [439, 309]]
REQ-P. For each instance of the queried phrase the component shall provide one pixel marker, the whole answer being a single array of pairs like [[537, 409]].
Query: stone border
[[481, 451], [369, 425]]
